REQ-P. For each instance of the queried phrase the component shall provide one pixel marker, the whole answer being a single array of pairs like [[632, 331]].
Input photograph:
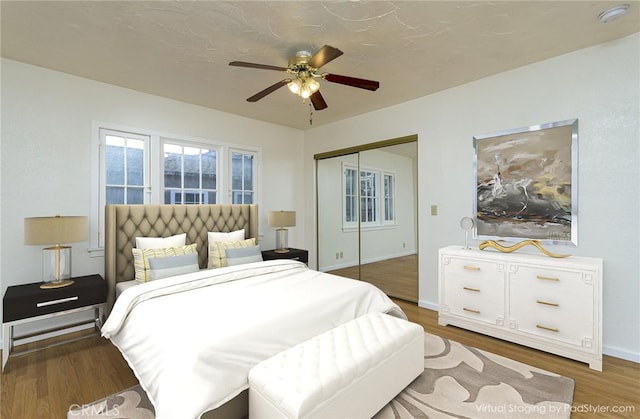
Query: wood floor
[[397, 277], [45, 384]]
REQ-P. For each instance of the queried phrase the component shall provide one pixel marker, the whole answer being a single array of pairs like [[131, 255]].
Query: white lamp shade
[[282, 219], [55, 230]]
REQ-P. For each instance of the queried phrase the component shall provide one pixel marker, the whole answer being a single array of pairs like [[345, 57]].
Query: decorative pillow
[[141, 258], [240, 255], [217, 236], [177, 265], [161, 242], [217, 251]]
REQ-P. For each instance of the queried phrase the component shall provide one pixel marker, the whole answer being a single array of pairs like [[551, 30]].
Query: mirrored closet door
[[367, 215]]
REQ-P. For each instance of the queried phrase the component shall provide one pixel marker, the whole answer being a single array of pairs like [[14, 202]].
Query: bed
[[191, 339]]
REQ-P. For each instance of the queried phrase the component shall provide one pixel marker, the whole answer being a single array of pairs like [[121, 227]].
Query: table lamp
[[280, 220], [56, 260]]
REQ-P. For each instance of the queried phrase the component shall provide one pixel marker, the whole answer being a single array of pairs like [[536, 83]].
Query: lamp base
[[56, 284], [282, 245]]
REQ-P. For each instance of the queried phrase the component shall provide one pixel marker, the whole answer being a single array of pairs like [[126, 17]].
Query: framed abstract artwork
[[526, 184]]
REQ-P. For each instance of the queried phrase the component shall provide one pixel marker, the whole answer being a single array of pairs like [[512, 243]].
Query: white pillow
[[216, 236], [161, 242]]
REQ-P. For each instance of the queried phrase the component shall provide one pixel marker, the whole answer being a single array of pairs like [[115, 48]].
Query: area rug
[[458, 381]]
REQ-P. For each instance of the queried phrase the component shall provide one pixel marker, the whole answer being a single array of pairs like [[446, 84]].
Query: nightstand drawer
[[29, 300]]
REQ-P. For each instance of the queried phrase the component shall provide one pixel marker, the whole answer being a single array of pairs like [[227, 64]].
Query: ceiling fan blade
[[323, 56], [352, 81], [268, 90], [318, 101], [254, 65]]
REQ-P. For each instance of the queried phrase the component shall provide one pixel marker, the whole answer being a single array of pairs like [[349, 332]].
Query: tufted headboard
[[123, 223]]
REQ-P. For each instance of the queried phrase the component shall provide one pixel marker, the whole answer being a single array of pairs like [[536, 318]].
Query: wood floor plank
[[397, 277]]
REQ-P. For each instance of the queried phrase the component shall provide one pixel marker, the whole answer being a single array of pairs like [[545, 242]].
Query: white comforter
[[192, 339]]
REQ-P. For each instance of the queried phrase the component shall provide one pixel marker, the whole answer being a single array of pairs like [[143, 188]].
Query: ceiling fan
[[303, 69]]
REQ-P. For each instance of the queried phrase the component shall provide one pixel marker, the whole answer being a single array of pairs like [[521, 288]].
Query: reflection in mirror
[[367, 218], [337, 247]]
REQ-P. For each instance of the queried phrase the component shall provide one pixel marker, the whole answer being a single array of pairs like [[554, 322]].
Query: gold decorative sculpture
[[509, 249]]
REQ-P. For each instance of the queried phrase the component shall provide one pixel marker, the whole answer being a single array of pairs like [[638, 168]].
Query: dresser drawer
[[564, 317], [552, 280], [479, 300], [25, 301], [473, 269]]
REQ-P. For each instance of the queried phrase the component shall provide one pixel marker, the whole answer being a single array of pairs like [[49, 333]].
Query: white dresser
[[551, 304]]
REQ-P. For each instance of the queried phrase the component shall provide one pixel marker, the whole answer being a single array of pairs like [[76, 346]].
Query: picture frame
[[526, 184]]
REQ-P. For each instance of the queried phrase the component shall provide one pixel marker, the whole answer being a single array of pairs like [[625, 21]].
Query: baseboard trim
[[428, 305], [621, 353]]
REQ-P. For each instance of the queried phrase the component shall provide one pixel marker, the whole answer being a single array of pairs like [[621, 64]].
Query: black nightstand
[[29, 303], [296, 254]]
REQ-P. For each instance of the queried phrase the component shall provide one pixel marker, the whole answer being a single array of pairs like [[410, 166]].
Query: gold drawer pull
[[471, 310], [547, 278], [471, 289], [471, 268], [551, 329], [547, 303]]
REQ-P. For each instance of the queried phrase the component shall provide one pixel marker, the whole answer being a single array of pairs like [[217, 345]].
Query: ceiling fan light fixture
[[613, 13], [304, 87], [295, 86], [313, 85]]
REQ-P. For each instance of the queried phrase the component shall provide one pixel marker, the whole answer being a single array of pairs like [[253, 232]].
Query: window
[[243, 168], [371, 191], [189, 174], [121, 170], [125, 157], [127, 162], [350, 196], [389, 197], [369, 197]]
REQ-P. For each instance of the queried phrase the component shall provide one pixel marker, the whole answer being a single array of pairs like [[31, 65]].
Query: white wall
[[600, 86], [46, 156]]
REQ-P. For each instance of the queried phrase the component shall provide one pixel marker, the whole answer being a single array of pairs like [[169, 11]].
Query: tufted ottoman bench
[[351, 371]]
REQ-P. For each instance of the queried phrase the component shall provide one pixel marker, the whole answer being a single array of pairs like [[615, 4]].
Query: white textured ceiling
[[181, 50]]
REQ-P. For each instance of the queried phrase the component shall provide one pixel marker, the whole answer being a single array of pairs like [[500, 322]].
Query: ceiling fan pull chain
[[310, 114]]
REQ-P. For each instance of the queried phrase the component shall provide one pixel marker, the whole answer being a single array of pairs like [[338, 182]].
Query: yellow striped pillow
[[141, 258], [217, 255]]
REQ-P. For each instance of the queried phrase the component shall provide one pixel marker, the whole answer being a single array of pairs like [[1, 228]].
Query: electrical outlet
[[434, 210], [337, 255], [341, 255], [404, 245]]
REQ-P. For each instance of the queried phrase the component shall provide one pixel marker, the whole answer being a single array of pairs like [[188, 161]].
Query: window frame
[[379, 198], [154, 172], [385, 198], [255, 165], [98, 176], [191, 144]]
